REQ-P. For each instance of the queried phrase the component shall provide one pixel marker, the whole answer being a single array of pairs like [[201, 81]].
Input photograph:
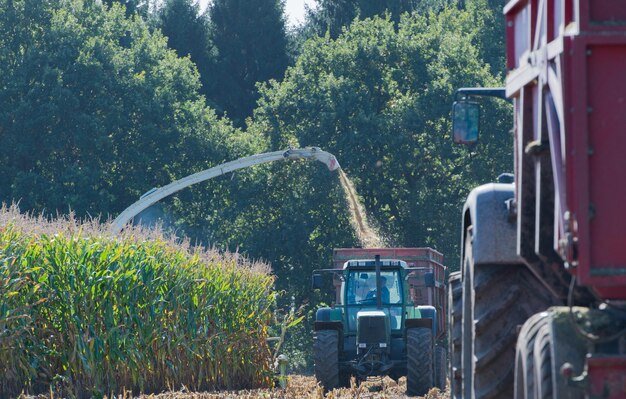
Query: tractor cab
[[361, 292]]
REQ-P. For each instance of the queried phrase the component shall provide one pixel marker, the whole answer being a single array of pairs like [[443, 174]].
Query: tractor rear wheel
[[496, 300], [326, 358], [455, 311], [419, 377]]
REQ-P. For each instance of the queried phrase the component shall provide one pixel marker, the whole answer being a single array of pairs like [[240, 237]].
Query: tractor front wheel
[[326, 357], [419, 377]]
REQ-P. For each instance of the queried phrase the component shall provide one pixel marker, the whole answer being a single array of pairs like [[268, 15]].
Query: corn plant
[[94, 315]]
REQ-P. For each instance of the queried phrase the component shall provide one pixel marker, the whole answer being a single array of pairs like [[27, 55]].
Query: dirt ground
[[305, 387]]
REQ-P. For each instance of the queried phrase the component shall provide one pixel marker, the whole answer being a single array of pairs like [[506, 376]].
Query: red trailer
[[541, 297]]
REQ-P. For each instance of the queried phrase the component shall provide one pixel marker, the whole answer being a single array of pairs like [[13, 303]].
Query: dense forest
[[102, 100]]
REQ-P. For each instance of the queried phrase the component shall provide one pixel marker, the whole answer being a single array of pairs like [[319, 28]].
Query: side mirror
[[317, 282], [465, 122]]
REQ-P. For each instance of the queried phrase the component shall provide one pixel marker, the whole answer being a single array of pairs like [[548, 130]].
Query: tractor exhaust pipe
[[379, 299]]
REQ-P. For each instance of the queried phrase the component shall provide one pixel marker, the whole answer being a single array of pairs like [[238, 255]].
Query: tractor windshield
[[362, 288], [361, 294]]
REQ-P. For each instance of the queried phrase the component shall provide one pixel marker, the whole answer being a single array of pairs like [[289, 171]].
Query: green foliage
[[290, 214], [490, 34], [379, 99], [95, 109], [333, 16], [251, 41], [131, 6], [91, 315], [188, 33]]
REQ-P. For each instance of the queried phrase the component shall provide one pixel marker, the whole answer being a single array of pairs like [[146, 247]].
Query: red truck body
[[544, 260], [567, 76], [566, 63], [423, 260]]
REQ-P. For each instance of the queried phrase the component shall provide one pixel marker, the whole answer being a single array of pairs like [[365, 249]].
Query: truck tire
[[496, 300], [455, 310], [543, 364], [326, 358], [440, 367], [419, 376], [525, 359]]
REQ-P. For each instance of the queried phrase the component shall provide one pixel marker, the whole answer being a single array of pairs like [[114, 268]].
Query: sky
[[293, 8]]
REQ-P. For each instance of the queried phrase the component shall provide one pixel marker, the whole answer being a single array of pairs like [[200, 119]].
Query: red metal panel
[[518, 14], [584, 42], [617, 292], [532, 23], [607, 377], [599, 168], [510, 41], [602, 14]]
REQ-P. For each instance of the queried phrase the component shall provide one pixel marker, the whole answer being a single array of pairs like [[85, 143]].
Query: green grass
[[89, 314]]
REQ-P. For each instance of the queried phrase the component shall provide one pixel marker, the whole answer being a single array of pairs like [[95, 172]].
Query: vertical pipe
[[379, 299]]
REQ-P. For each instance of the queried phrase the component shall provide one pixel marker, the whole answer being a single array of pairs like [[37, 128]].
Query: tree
[[96, 110], [333, 16], [251, 41], [379, 98], [491, 34], [188, 33], [132, 6]]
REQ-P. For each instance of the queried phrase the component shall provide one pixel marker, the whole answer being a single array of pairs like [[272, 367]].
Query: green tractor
[[388, 319]]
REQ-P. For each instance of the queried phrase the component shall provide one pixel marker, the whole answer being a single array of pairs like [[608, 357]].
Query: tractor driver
[[384, 291]]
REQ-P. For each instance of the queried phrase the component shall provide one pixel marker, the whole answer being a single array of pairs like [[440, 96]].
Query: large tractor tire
[[419, 377], [543, 364], [525, 359], [455, 311], [496, 300], [326, 358], [440, 367]]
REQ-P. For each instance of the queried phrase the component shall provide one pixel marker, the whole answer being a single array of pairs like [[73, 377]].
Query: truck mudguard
[[494, 234]]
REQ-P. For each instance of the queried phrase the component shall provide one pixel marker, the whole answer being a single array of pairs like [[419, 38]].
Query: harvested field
[[300, 387], [305, 387]]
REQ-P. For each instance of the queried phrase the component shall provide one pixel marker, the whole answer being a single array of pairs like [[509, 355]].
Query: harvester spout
[[315, 153], [156, 194]]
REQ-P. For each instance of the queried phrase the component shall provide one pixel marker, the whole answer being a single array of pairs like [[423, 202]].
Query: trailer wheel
[[440, 367], [455, 310], [496, 300], [543, 364], [419, 377], [326, 358], [525, 359], [548, 356]]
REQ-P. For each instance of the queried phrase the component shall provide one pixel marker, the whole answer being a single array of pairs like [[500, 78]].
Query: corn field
[[83, 313]]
